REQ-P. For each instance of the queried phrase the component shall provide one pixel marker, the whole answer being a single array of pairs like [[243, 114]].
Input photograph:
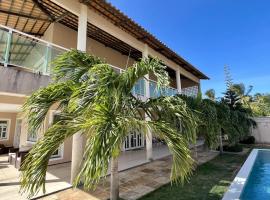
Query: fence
[[262, 131]]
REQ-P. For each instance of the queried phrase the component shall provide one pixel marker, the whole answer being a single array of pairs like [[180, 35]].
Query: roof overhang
[[35, 16]]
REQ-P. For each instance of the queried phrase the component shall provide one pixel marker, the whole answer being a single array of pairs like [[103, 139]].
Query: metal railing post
[[8, 48]]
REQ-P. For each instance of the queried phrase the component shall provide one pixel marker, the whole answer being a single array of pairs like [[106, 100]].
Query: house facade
[[33, 33]]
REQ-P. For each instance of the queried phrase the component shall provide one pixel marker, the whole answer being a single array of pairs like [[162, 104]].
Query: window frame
[[61, 147], [31, 141], [60, 154], [8, 129]]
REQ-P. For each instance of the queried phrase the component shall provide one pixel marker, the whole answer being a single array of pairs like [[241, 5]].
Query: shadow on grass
[[209, 182]]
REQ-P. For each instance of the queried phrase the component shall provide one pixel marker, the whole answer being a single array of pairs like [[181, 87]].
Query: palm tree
[[98, 102], [241, 90], [244, 93], [211, 94]]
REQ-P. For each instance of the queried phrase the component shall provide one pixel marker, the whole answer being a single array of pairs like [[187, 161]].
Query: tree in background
[[260, 104], [211, 94], [243, 93], [233, 116], [232, 99]]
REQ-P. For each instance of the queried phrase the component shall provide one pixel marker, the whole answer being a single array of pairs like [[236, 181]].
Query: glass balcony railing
[[157, 92], [190, 91], [139, 88], [25, 51], [21, 50]]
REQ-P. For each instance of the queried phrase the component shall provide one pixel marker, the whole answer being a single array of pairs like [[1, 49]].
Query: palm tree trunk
[[221, 143], [114, 179]]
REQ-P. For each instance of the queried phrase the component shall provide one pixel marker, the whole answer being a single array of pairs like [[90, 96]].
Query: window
[[3, 129], [57, 153], [31, 137], [55, 117]]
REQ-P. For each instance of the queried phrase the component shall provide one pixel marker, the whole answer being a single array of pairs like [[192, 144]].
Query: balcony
[[190, 91], [18, 49], [31, 54], [157, 92]]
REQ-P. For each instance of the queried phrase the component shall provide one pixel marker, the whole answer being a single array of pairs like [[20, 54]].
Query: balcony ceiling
[[35, 16]]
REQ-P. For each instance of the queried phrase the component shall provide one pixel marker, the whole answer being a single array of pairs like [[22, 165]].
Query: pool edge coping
[[238, 183]]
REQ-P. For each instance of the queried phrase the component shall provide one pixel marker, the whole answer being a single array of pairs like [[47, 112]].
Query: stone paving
[[58, 176], [56, 180], [134, 183]]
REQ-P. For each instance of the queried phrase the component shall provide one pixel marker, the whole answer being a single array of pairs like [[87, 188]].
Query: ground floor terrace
[[137, 177]]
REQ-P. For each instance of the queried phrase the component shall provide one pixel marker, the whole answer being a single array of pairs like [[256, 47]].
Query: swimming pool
[[253, 180], [258, 183]]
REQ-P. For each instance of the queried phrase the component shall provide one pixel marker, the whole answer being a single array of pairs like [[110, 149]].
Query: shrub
[[234, 148], [248, 140]]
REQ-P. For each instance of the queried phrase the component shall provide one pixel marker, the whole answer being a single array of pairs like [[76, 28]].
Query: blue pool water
[[258, 183]]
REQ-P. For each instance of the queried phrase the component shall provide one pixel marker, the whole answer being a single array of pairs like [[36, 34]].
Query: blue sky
[[211, 34]]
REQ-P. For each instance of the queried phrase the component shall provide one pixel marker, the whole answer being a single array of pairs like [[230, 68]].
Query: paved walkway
[[58, 176], [134, 183], [56, 180]]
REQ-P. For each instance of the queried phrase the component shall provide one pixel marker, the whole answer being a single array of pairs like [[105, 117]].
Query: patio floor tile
[[136, 182]]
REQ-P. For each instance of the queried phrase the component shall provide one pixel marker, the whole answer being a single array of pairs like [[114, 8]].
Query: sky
[[211, 34]]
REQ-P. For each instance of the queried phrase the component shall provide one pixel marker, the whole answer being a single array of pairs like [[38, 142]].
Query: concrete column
[[149, 137], [178, 81], [82, 28], [147, 83], [149, 143], [145, 52], [77, 141]]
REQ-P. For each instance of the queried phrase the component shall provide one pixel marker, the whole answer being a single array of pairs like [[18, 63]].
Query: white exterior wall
[[262, 132]]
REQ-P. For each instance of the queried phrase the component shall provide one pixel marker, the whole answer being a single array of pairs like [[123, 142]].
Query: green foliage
[[228, 77], [207, 119], [233, 148], [97, 102], [211, 94], [248, 140], [240, 89], [232, 99], [227, 116], [239, 122], [260, 104]]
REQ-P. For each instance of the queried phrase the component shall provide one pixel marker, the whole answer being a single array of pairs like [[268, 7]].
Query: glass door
[[16, 142], [134, 140]]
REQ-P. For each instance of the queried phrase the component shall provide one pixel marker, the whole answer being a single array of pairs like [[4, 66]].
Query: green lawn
[[209, 181]]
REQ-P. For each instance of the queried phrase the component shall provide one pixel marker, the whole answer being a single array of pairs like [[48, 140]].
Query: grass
[[210, 181]]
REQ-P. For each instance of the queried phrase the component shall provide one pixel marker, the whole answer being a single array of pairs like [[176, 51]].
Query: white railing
[[190, 91], [26, 51], [156, 92]]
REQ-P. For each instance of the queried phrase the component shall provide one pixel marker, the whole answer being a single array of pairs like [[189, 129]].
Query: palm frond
[[179, 147], [129, 77], [38, 104], [105, 138], [73, 65], [175, 111], [34, 167]]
